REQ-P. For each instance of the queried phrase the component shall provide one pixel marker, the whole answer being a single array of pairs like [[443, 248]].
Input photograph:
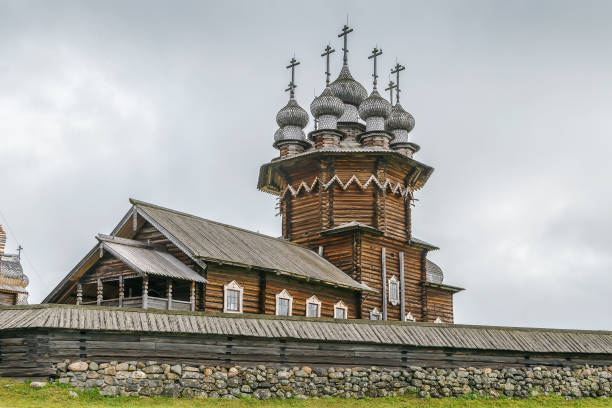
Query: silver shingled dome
[[278, 135], [347, 89], [327, 104], [399, 119], [292, 115], [374, 106]]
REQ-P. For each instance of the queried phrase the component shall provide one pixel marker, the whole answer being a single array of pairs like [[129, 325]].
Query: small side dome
[[433, 272], [400, 119], [278, 135], [348, 89], [327, 104], [292, 115], [374, 106]]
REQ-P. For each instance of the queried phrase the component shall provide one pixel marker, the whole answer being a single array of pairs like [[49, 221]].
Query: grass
[[19, 395]]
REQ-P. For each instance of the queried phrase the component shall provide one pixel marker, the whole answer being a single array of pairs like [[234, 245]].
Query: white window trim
[[438, 320], [341, 305], [375, 312], [410, 317], [394, 302], [313, 300], [233, 285], [284, 295]]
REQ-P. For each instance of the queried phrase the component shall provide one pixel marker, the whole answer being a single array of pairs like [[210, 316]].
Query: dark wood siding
[[8, 298]]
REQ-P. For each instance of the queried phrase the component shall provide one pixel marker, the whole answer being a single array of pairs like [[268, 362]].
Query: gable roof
[[145, 259], [208, 240]]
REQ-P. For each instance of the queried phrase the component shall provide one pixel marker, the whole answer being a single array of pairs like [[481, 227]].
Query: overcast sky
[[174, 103]]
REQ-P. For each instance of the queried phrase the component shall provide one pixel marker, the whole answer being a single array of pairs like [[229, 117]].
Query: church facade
[[13, 282], [347, 249]]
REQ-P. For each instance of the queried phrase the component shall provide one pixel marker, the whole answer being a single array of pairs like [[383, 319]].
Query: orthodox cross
[[292, 64], [375, 53], [19, 249], [328, 50], [345, 32], [396, 70], [391, 87]]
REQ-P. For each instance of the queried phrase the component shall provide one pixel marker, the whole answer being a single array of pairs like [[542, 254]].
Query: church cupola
[[351, 92], [400, 122], [326, 109], [292, 119], [375, 110]]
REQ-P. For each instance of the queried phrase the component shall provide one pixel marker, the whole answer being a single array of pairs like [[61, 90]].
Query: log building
[[13, 282], [347, 248]]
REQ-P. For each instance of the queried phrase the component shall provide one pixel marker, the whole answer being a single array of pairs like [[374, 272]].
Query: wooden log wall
[[328, 296], [30, 353], [439, 303], [371, 266]]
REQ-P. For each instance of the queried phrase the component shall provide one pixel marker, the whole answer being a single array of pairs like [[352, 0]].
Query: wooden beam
[[383, 260], [262, 292], [402, 288], [79, 296], [100, 292], [121, 291], [145, 292], [192, 296], [169, 293]]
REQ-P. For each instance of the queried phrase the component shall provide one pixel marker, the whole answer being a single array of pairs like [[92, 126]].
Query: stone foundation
[[182, 380]]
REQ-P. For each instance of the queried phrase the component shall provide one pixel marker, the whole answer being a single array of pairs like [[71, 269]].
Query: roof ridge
[[133, 201]]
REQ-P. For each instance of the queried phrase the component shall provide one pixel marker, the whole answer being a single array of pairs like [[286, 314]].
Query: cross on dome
[[375, 53], [292, 64], [328, 50], [396, 70]]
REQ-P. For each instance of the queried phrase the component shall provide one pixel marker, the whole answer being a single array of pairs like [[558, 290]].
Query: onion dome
[[400, 123], [351, 92], [291, 119], [327, 108], [278, 135], [433, 272], [292, 115], [374, 110]]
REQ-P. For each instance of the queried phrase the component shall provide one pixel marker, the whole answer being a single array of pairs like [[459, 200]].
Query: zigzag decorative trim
[[387, 186]]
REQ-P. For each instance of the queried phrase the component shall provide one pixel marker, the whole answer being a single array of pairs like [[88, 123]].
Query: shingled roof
[[208, 240], [148, 260], [312, 329]]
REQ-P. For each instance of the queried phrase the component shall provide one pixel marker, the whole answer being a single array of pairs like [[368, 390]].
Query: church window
[[410, 317], [340, 310], [232, 293], [284, 303], [313, 307], [375, 314], [394, 291]]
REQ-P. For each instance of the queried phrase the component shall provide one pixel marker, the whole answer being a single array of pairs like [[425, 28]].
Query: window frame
[[313, 300], [286, 296], [340, 305], [233, 286], [394, 300], [375, 313]]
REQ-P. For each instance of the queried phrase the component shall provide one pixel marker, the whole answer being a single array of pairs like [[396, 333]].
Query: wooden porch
[[139, 294]]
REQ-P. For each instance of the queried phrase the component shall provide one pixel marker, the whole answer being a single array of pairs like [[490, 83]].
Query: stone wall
[[181, 380]]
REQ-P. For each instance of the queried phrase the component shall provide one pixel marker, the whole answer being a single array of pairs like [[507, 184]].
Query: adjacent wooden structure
[[13, 282], [34, 337]]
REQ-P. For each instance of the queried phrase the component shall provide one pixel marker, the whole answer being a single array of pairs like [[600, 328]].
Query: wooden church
[[13, 282], [347, 250]]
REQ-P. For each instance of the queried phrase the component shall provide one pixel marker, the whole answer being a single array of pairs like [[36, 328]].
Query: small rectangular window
[[233, 300], [340, 313], [313, 310], [283, 307]]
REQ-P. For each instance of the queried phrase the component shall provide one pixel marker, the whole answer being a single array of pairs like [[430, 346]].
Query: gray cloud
[[175, 104]]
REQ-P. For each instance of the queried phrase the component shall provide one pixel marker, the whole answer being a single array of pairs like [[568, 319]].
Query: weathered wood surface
[[456, 337]]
